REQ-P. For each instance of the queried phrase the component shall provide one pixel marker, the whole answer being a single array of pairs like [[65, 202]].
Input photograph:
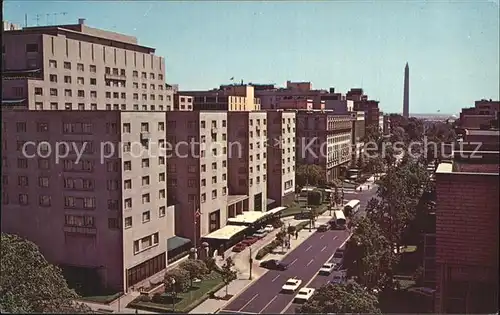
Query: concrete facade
[[247, 157], [226, 98], [281, 157], [109, 211]]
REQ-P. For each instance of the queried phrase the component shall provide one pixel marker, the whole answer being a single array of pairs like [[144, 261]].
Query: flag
[[231, 79], [197, 214]]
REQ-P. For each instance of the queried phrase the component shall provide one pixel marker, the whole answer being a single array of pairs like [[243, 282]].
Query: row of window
[[108, 70], [23, 200], [146, 242], [145, 199], [146, 217]]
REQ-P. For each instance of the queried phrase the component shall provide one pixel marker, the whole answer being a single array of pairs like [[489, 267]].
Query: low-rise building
[[226, 98]]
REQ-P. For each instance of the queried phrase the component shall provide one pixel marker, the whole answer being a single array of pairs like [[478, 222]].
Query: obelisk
[[406, 95]]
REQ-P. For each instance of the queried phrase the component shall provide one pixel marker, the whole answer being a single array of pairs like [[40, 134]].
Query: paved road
[[304, 262], [363, 196]]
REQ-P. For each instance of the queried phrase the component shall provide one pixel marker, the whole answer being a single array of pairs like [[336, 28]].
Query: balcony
[[145, 135], [110, 76], [213, 130]]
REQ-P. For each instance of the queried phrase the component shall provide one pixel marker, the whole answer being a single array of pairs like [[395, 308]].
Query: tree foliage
[[369, 256], [196, 269], [341, 298], [309, 174], [182, 281], [227, 272], [29, 284]]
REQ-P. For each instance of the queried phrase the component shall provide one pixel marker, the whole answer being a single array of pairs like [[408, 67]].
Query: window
[[161, 211], [22, 163], [146, 198], [23, 199], [128, 203], [146, 216], [128, 222], [145, 163], [127, 165], [67, 65], [161, 177], [93, 81], [126, 128], [53, 92], [127, 184], [93, 68], [145, 180], [214, 194], [22, 181], [79, 67], [21, 127], [38, 91], [31, 47], [52, 64], [44, 201], [161, 160], [53, 78], [161, 194]]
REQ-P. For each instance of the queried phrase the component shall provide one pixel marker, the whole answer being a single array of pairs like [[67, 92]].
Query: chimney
[[81, 21], [332, 90]]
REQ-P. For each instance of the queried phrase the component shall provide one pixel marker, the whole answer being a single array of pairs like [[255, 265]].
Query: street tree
[[309, 174], [196, 269], [369, 256], [227, 272], [176, 281], [29, 284], [341, 299]]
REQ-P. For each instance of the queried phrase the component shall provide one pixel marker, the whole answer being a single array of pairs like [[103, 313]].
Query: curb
[[252, 282]]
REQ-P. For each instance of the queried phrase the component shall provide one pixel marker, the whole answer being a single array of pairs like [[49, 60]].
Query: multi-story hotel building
[[198, 171], [227, 98], [76, 84], [247, 157], [324, 138], [296, 95], [105, 210], [281, 155], [362, 103]]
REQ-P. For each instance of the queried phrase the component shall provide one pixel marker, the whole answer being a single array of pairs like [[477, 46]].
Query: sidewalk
[[242, 264]]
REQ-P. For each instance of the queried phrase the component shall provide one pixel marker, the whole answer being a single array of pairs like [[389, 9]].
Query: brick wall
[[467, 219]]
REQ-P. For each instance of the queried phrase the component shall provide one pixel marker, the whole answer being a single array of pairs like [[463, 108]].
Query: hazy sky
[[452, 47]]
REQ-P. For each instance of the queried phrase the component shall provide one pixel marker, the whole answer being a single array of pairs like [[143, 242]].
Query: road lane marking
[[274, 298], [335, 237], [316, 275], [322, 236], [250, 301], [323, 249], [310, 262], [293, 262], [275, 278], [309, 248]]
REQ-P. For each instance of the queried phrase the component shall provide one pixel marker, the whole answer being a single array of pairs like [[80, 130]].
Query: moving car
[[239, 247], [304, 295], [327, 269], [338, 257], [274, 264], [259, 235], [291, 285], [269, 228], [323, 228]]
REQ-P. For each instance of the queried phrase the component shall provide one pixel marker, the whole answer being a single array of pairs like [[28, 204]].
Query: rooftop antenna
[[37, 19], [57, 14]]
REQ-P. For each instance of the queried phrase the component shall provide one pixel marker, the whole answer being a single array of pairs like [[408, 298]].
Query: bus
[[339, 220], [352, 207]]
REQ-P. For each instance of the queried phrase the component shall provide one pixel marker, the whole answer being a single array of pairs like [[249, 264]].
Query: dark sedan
[[274, 264]]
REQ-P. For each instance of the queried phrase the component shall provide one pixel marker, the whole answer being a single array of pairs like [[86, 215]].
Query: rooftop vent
[[81, 21]]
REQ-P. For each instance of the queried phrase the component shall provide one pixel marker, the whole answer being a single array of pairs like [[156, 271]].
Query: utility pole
[[250, 260]]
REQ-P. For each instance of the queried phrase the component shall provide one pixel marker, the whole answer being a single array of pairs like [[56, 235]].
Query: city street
[[304, 262]]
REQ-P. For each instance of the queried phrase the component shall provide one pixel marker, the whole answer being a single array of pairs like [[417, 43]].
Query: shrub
[[182, 282], [315, 198]]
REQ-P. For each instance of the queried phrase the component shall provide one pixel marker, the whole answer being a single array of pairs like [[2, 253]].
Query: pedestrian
[[296, 234]]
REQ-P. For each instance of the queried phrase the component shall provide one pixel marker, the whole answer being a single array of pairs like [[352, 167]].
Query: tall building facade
[[281, 156], [87, 87], [406, 96], [324, 138]]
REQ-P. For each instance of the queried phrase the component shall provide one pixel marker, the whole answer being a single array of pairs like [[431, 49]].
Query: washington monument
[[406, 93]]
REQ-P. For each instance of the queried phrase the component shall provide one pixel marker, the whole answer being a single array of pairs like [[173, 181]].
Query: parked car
[[250, 240], [338, 257], [339, 277], [239, 247], [259, 235], [327, 269], [291, 285], [304, 295], [269, 228], [323, 228], [262, 231], [274, 264]]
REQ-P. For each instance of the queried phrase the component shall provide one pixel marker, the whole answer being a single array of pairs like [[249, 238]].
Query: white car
[[327, 269], [304, 295], [291, 285], [268, 228]]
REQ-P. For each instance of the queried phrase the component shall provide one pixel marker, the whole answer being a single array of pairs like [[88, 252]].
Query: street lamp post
[[173, 294], [250, 261]]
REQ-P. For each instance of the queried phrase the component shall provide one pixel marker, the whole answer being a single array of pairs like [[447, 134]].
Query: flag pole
[[195, 212]]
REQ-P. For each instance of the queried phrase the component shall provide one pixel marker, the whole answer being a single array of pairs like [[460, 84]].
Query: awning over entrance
[[176, 242], [248, 217], [226, 232], [270, 201], [275, 210], [232, 199]]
